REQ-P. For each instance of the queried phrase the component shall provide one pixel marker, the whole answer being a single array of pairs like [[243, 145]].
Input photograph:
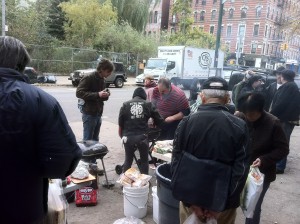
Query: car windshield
[[156, 64]]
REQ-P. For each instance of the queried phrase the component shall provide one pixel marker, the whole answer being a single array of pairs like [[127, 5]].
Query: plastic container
[[155, 204], [168, 205], [135, 201]]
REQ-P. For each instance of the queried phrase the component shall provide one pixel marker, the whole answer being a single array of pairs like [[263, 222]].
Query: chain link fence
[[64, 60]]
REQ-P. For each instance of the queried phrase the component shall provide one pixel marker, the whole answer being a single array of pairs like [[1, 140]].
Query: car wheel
[[119, 82], [107, 85], [75, 83]]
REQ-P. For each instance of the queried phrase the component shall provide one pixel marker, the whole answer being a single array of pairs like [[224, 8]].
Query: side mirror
[[170, 65]]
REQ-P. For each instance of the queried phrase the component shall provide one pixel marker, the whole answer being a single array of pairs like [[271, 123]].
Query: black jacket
[[214, 134], [88, 90], [270, 148], [286, 102], [270, 93], [36, 144], [134, 116]]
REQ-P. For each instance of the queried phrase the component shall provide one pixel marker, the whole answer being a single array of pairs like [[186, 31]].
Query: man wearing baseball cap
[[206, 144]]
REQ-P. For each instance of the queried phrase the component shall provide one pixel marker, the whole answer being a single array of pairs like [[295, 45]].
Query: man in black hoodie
[[286, 106], [133, 127]]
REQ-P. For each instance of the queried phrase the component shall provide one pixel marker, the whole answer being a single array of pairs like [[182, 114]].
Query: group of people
[[38, 143]]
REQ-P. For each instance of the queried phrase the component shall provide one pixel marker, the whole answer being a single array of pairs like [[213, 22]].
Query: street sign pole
[[219, 33]]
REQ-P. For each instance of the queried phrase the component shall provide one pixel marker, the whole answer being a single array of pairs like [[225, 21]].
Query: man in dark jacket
[[286, 106], [272, 88], [36, 141], [92, 93], [266, 150], [221, 139], [133, 127]]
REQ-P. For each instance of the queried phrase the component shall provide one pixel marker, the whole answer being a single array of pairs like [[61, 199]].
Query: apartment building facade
[[254, 31]]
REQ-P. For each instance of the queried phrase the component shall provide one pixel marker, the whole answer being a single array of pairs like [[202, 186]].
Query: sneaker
[[279, 171]]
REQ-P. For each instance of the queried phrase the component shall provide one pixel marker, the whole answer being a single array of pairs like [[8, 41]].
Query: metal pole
[[3, 17], [219, 33]]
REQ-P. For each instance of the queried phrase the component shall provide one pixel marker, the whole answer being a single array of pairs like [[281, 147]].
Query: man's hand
[[256, 163], [169, 119], [103, 94], [202, 213]]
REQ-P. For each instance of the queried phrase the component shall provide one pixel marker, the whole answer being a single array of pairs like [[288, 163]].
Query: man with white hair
[[210, 158]]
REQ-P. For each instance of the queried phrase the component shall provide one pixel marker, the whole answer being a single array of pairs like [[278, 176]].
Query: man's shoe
[[279, 171]]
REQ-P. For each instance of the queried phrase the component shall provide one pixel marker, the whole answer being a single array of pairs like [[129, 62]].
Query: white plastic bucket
[[155, 204], [135, 201]]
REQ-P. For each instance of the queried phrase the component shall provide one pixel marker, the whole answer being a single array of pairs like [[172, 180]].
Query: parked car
[[118, 77], [46, 78], [32, 74], [140, 79]]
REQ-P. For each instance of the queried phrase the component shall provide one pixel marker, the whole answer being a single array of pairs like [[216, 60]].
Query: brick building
[[158, 18], [253, 30]]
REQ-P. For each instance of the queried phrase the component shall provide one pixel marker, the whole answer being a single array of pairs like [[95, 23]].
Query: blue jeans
[[256, 217], [288, 129], [91, 127]]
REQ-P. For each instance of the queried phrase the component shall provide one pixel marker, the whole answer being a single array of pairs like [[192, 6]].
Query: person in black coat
[[266, 150], [286, 106], [133, 127], [272, 88], [37, 142]]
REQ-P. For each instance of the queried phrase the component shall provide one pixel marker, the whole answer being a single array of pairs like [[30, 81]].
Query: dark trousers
[[133, 143], [288, 129]]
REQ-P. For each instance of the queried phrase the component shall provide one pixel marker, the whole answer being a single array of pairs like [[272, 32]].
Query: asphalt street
[[281, 204]]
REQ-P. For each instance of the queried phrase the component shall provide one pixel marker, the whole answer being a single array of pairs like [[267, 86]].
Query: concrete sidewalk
[[281, 204]]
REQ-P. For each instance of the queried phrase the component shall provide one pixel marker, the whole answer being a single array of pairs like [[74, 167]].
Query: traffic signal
[[284, 46]]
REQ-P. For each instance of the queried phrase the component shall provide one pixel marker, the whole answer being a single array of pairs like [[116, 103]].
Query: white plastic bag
[[251, 191], [129, 220], [57, 204], [193, 219]]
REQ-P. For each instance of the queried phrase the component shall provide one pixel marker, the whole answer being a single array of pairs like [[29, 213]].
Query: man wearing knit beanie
[[133, 127]]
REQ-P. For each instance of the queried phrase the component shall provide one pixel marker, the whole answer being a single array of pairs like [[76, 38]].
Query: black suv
[[118, 77]]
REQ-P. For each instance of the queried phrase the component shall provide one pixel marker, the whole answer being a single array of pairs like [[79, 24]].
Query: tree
[[56, 20], [86, 18], [135, 12], [27, 23], [124, 38], [187, 36]]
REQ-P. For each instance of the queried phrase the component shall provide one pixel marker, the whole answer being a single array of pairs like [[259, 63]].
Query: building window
[[211, 29], [203, 2], [268, 12], [244, 12], [255, 30], [263, 49], [172, 30], [196, 2], [174, 18], [195, 16], [253, 48], [270, 31], [202, 15], [213, 14], [230, 14], [150, 17], [214, 1], [258, 11], [228, 32], [267, 50], [241, 30], [155, 16], [266, 31]]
